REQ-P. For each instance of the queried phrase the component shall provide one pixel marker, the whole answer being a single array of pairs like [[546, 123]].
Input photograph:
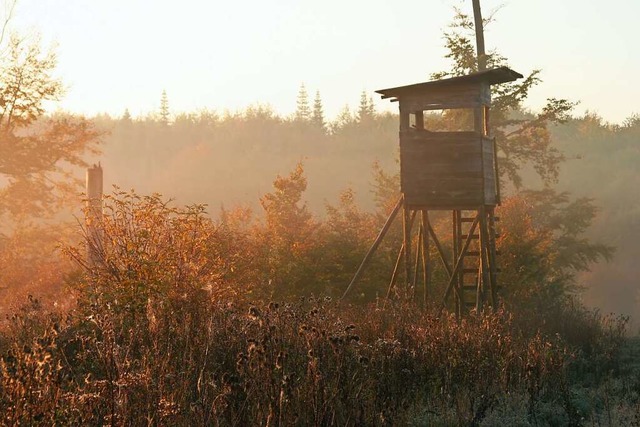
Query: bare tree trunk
[[94, 212], [9, 8], [477, 16]]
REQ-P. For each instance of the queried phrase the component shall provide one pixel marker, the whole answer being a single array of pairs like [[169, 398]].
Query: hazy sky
[[117, 54]]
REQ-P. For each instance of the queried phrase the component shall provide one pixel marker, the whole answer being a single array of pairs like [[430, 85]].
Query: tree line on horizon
[[230, 159]]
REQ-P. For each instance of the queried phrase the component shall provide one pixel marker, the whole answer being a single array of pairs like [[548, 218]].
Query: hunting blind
[[448, 169]]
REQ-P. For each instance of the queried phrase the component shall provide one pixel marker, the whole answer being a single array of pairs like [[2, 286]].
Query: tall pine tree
[[164, 108], [365, 109], [318, 114], [303, 112]]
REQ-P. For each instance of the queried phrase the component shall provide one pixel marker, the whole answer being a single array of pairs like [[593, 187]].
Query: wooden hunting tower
[[453, 170], [448, 170]]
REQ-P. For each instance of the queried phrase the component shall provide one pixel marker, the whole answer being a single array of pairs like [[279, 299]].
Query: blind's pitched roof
[[493, 76]]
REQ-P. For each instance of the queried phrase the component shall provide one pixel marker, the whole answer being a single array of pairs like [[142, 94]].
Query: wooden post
[[394, 275], [403, 253], [94, 186], [406, 238], [375, 245], [416, 265], [426, 262], [484, 256], [405, 119], [497, 171], [419, 120], [493, 258], [477, 16], [459, 280], [440, 249]]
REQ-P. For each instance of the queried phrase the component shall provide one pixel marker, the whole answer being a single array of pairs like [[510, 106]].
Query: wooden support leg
[[478, 305], [403, 252], [416, 265], [406, 239], [440, 249], [394, 275], [457, 245], [426, 266], [458, 264], [493, 260], [374, 246], [484, 257]]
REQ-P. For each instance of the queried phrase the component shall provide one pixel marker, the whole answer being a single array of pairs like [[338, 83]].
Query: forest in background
[[229, 160], [573, 169]]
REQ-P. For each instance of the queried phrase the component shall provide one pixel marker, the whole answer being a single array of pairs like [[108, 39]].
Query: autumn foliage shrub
[[146, 255], [168, 331], [159, 336], [32, 264]]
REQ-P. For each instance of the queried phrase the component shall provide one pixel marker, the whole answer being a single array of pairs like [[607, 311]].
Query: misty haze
[[329, 214]]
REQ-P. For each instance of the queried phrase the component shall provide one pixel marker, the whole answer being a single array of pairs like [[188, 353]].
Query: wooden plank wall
[[446, 169]]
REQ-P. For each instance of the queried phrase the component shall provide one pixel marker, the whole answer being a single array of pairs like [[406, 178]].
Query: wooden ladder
[[469, 284]]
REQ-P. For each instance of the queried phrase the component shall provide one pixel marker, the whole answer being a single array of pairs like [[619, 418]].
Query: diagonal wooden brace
[[375, 245], [458, 264]]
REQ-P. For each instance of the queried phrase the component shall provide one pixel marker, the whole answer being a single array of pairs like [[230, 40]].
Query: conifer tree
[[318, 114], [164, 108], [345, 119], [522, 139], [365, 109], [303, 112], [289, 232]]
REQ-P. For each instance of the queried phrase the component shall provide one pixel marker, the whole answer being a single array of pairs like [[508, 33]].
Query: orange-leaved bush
[[143, 254]]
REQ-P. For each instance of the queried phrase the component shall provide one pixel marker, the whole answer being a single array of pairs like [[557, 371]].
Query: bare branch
[[9, 9]]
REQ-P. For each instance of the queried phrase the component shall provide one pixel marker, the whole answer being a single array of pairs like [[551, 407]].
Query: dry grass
[[308, 362], [161, 336]]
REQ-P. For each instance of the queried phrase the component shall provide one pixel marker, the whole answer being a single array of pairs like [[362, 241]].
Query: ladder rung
[[472, 270], [471, 219], [476, 236], [474, 287], [477, 253]]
